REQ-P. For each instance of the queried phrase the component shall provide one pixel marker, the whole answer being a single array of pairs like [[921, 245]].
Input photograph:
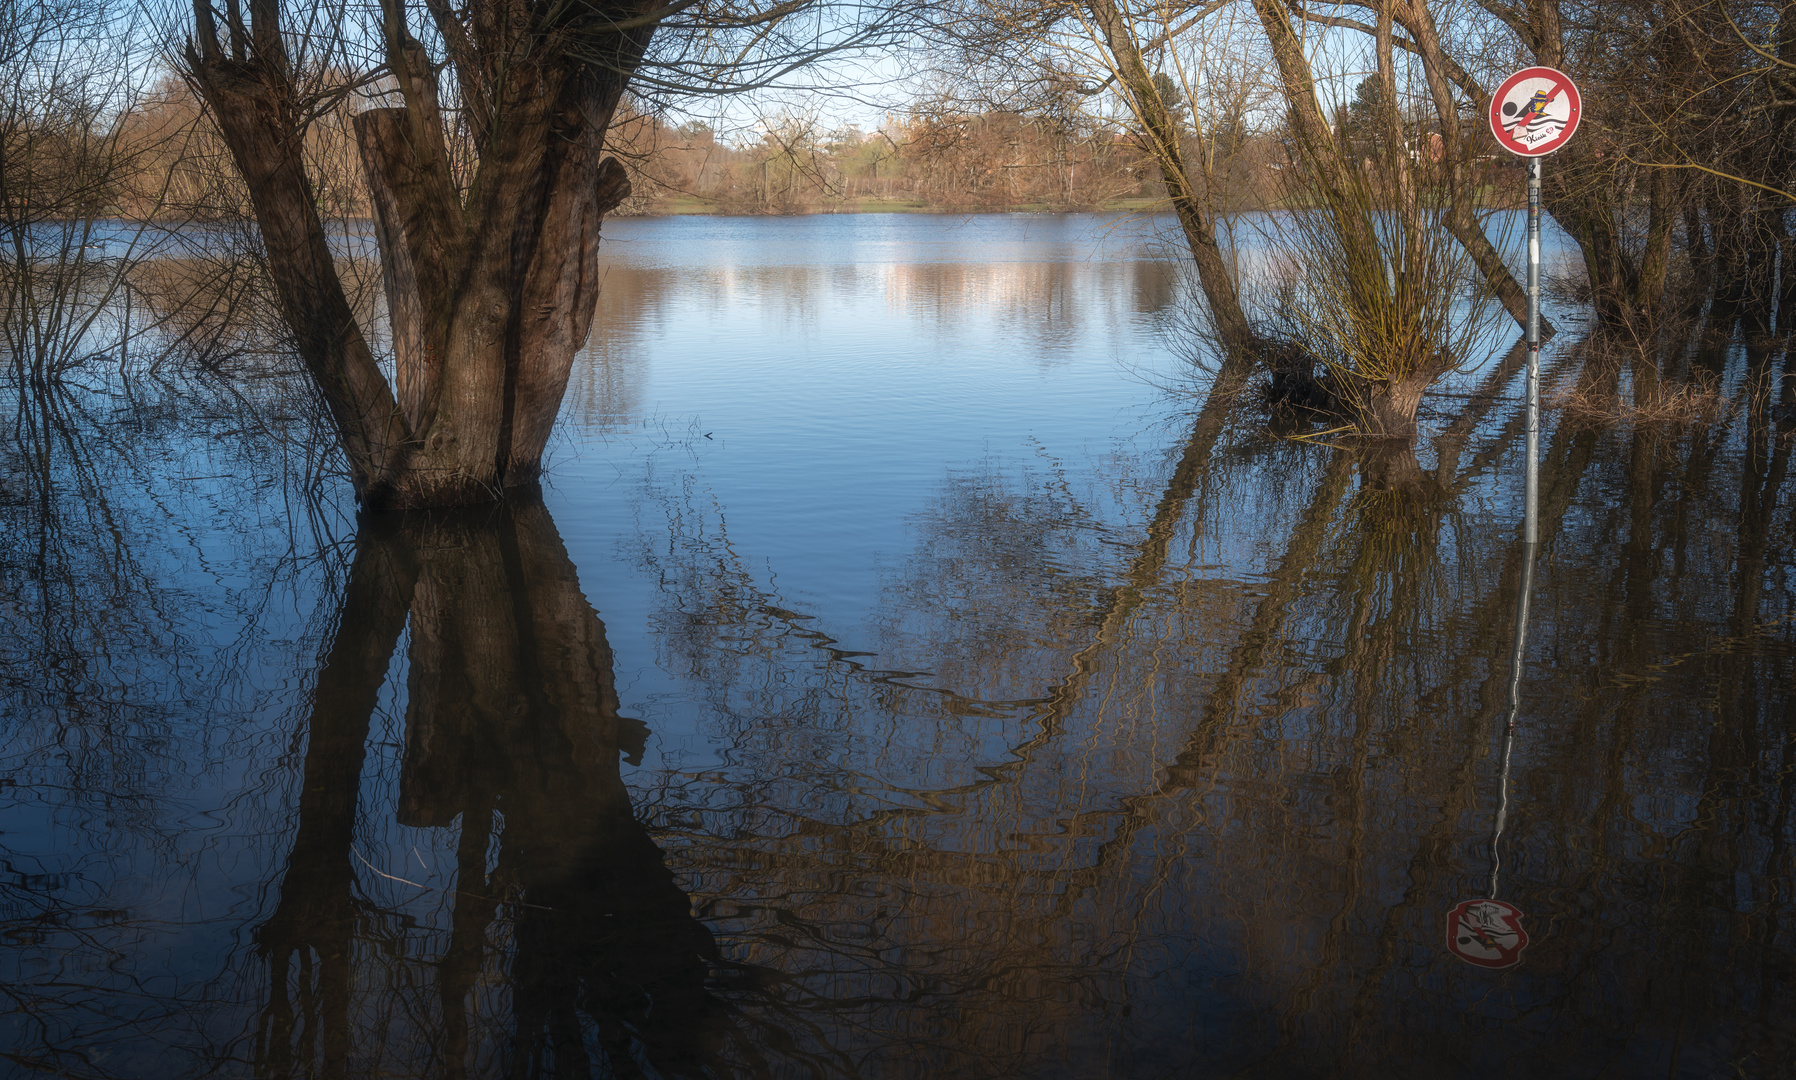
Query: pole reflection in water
[[1051, 748], [512, 728], [1489, 933]]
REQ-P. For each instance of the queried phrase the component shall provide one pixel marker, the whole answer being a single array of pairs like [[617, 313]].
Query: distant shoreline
[[697, 208]]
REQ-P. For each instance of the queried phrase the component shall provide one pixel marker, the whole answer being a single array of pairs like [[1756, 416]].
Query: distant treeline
[[167, 161], [163, 159], [929, 159]]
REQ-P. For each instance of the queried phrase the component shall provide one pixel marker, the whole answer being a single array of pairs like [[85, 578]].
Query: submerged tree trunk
[[258, 119], [1388, 409], [1196, 214], [1655, 258], [1574, 194], [1786, 282], [491, 289], [1580, 193]]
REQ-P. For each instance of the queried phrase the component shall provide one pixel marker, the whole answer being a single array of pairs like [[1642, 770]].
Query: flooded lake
[[907, 671]]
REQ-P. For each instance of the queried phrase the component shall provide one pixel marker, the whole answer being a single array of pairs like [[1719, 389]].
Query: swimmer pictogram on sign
[[1486, 933], [1535, 111]]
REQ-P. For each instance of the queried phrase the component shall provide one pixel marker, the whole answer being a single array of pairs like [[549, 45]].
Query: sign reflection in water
[[1000, 716], [1489, 932]]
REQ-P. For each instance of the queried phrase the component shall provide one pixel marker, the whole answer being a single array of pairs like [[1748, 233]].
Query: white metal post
[[1531, 511]]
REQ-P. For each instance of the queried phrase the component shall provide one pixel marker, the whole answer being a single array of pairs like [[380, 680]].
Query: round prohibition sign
[[1535, 111], [1486, 933]]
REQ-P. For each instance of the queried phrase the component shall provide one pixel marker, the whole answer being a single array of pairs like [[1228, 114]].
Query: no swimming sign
[[1535, 111], [1486, 933]]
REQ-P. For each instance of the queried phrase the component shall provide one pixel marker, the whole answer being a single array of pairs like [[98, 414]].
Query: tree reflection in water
[[512, 730], [1166, 767], [1141, 813]]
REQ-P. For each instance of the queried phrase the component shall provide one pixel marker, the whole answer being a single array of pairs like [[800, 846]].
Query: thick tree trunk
[[255, 115], [1746, 242], [1577, 202], [1396, 158], [1197, 217], [1579, 194], [1655, 258], [1316, 141], [1786, 282], [1388, 409], [490, 291], [486, 322]]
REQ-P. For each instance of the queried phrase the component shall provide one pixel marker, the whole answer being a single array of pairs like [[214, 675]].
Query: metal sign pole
[[1532, 114], [1531, 510], [1518, 658]]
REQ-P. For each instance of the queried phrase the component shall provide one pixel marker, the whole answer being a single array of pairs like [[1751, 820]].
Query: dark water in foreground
[[894, 681]]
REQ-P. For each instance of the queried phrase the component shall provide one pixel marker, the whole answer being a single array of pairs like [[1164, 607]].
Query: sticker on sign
[[1487, 933], [1535, 111]]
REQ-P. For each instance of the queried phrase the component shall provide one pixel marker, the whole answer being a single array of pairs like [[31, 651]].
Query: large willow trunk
[[1378, 292], [490, 286]]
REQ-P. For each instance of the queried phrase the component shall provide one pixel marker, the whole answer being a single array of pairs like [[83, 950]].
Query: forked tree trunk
[[491, 290], [256, 117], [486, 320]]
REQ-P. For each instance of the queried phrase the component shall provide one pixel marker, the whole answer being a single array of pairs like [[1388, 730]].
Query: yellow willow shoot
[[1377, 289]]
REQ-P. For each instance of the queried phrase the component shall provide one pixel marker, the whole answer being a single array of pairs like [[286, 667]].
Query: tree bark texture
[[1388, 409], [258, 119], [490, 290], [1197, 217]]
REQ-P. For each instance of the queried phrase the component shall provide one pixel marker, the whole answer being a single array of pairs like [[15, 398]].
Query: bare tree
[[1046, 48], [486, 166], [1459, 100], [65, 80]]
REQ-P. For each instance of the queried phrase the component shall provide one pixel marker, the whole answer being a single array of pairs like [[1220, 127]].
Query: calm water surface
[[900, 676]]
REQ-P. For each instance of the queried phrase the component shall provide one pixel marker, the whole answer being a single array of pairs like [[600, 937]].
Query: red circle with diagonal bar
[[1535, 111], [1486, 933]]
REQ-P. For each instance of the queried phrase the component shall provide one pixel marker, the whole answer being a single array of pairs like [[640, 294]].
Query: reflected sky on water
[[907, 671]]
